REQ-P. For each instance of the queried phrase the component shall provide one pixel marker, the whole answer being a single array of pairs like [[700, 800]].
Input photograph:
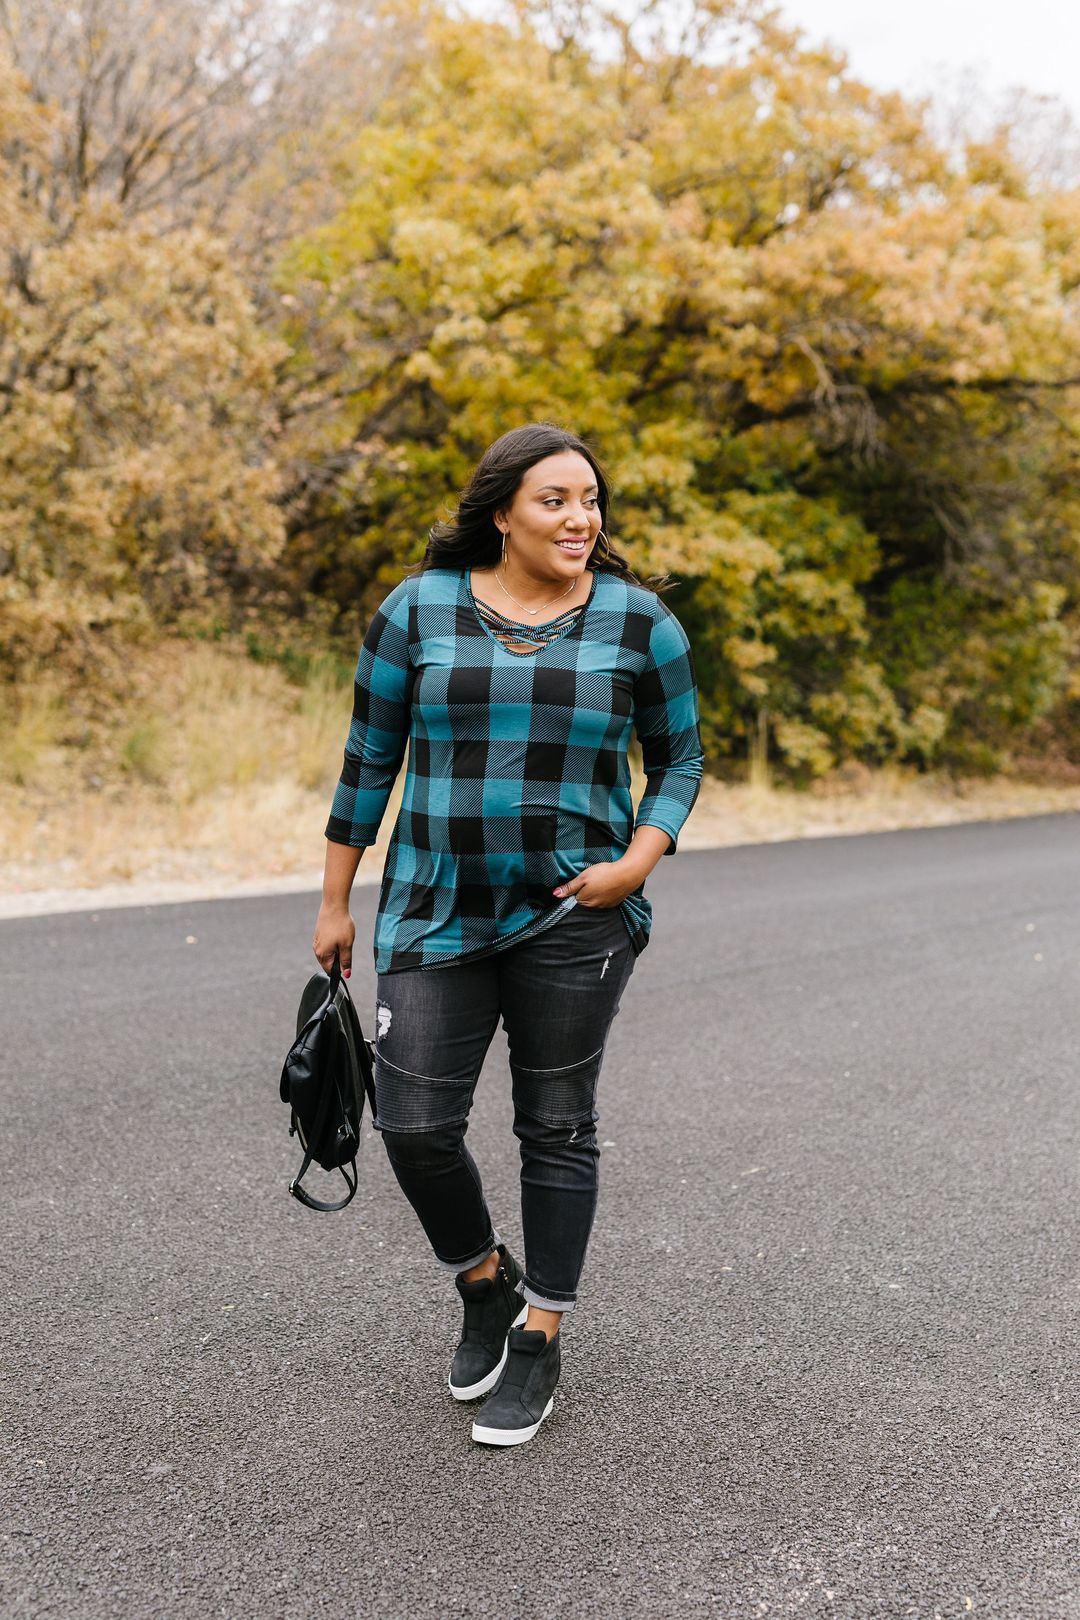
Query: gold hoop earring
[[602, 536]]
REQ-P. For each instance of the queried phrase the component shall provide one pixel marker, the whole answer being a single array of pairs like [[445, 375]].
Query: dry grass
[[862, 800], [218, 766], [221, 770]]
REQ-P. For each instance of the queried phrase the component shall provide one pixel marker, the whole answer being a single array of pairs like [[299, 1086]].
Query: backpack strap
[[368, 1072], [335, 974], [365, 1048], [319, 1203]]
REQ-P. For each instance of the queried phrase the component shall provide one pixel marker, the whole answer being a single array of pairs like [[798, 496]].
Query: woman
[[514, 879]]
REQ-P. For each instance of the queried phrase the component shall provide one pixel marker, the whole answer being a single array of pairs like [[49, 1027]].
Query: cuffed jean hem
[[543, 1302], [454, 1266]]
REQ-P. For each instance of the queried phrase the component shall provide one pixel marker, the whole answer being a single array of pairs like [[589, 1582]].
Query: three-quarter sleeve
[[669, 729], [382, 699]]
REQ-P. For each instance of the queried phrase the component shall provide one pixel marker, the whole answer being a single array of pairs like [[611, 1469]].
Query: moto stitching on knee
[[560, 1098], [568, 1109]]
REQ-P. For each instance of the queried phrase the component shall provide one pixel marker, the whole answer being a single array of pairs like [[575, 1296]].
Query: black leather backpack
[[324, 1080]]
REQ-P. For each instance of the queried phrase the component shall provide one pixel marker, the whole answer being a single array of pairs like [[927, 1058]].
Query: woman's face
[[553, 521]]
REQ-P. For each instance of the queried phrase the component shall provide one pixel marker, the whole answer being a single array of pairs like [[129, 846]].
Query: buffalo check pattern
[[518, 775]]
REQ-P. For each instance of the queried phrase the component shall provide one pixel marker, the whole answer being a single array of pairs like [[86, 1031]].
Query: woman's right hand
[[334, 931]]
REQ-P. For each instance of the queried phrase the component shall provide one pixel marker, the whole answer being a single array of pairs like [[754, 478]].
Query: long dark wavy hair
[[471, 537]]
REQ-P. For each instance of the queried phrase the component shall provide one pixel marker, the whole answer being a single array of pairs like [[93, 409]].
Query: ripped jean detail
[[557, 995]]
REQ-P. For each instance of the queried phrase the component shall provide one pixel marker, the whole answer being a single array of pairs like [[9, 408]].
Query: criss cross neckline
[[507, 631]]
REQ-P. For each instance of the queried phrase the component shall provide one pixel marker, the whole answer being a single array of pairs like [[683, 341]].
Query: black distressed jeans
[[557, 994]]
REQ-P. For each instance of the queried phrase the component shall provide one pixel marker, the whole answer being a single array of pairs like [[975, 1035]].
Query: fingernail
[[559, 891], [348, 973]]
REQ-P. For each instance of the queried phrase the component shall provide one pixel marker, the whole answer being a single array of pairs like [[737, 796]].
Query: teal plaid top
[[518, 775]]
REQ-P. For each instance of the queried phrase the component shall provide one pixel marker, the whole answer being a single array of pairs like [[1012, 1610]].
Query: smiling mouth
[[573, 546]]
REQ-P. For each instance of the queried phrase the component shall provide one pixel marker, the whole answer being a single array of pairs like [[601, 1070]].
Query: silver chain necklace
[[532, 612]]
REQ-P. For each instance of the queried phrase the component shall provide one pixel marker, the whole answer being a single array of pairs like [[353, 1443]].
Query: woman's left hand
[[604, 885]]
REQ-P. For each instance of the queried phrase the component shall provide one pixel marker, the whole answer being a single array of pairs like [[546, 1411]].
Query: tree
[[168, 105], [761, 288], [136, 392], [223, 113]]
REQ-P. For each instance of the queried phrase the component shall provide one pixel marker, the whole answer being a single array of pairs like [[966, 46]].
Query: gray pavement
[[826, 1358]]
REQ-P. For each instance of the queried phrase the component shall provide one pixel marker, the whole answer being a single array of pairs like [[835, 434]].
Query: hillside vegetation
[[274, 277]]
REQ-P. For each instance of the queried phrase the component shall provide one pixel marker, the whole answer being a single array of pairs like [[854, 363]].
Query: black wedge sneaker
[[492, 1308], [524, 1395]]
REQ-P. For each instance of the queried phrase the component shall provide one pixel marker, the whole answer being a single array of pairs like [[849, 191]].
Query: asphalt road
[[826, 1359]]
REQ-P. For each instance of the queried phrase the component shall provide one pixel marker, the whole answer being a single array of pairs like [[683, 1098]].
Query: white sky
[[907, 46]]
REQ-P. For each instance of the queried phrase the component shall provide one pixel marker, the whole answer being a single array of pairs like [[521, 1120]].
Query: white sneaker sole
[[509, 1437], [469, 1392]]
